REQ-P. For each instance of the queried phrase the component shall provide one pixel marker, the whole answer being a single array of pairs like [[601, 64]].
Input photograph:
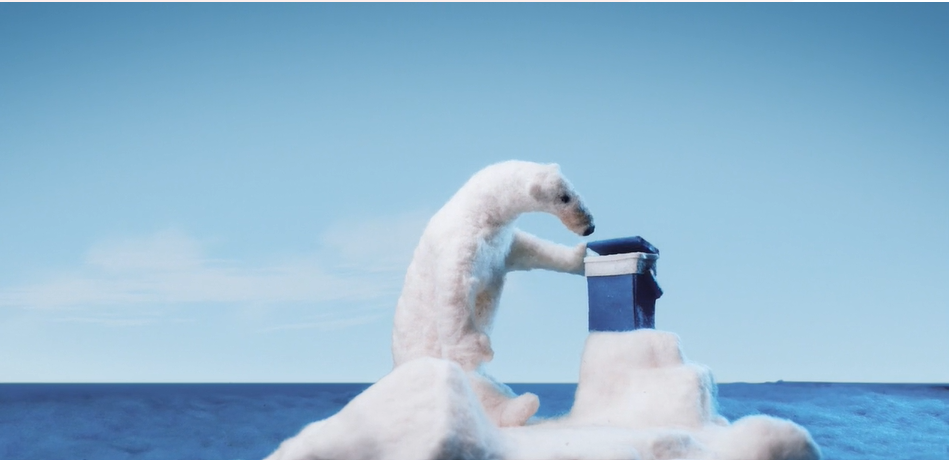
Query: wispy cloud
[[377, 243], [361, 261], [327, 322], [117, 320]]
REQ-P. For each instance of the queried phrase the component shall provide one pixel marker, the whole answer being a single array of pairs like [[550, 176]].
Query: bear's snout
[[579, 220]]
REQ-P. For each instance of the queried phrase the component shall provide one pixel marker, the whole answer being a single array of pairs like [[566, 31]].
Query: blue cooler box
[[621, 284]]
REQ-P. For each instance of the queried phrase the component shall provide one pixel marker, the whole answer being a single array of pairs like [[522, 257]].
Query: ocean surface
[[248, 421]]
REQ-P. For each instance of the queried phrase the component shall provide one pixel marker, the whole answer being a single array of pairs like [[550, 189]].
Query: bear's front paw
[[576, 260]]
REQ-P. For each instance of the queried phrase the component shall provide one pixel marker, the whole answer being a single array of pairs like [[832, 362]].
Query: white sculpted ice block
[[639, 379], [637, 389], [638, 398]]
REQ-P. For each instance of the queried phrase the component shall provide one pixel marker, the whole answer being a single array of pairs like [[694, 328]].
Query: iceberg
[[638, 398]]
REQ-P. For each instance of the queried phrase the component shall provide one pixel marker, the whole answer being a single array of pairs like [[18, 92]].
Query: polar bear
[[455, 279]]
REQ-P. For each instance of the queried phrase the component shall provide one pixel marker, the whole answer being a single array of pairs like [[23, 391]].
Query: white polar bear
[[455, 278]]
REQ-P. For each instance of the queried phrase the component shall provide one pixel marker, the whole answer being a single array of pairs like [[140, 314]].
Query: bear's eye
[[565, 198]]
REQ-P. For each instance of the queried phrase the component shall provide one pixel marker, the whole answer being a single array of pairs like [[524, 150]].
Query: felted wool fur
[[454, 281]]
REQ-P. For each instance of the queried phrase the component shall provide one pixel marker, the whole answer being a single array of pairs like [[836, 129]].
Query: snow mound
[[423, 409], [641, 381], [638, 398]]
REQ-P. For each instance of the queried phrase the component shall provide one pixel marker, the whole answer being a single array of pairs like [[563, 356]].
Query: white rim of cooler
[[620, 264]]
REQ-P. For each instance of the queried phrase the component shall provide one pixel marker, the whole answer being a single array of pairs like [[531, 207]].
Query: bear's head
[[553, 193]]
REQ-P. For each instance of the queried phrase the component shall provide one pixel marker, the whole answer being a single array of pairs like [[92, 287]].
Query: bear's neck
[[497, 207]]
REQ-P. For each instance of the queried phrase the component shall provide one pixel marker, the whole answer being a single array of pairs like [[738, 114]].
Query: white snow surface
[[638, 398]]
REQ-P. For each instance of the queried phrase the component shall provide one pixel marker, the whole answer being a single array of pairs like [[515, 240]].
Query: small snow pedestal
[[621, 284]]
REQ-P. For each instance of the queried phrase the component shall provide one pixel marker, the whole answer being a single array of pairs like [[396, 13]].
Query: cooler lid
[[622, 246]]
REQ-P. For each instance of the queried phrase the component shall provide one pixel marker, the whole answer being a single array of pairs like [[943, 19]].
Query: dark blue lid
[[622, 246]]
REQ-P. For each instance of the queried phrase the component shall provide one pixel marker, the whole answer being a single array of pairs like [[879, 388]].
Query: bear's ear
[[542, 182], [536, 191]]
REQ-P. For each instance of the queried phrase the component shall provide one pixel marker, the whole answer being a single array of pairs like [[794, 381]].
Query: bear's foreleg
[[529, 252], [460, 338]]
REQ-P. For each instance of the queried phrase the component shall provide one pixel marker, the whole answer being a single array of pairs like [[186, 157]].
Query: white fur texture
[[454, 281]]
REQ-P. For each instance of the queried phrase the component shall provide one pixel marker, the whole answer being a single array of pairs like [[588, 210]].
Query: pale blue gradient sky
[[232, 192]]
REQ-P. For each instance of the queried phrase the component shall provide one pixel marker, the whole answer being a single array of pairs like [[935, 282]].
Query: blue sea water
[[248, 421]]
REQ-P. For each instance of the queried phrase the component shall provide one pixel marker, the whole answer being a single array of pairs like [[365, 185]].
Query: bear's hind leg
[[502, 406], [517, 411]]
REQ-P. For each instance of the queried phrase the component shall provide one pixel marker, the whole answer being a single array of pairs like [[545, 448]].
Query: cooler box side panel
[[611, 303], [644, 298]]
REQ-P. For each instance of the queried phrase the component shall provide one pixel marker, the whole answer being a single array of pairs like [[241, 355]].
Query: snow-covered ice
[[422, 409], [637, 398]]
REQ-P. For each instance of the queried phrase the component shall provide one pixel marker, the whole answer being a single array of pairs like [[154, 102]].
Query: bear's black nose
[[589, 230]]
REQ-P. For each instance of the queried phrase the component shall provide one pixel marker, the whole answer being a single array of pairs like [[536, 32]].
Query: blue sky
[[232, 192]]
